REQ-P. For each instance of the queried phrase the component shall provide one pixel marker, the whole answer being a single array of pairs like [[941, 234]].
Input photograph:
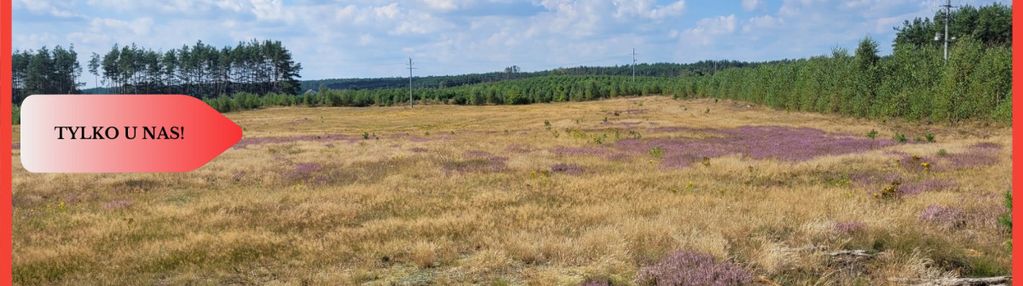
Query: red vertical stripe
[[1017, 142], [6, 211]]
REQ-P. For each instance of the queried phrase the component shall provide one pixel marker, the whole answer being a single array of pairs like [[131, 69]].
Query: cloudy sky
[[369, 38]]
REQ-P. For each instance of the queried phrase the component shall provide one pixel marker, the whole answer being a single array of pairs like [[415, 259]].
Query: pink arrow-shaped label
[[121, 133]]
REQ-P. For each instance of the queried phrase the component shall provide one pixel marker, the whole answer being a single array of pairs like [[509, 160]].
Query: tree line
[[44, 71], [914, 82], [198, 70], [513, 72], [541, 89]]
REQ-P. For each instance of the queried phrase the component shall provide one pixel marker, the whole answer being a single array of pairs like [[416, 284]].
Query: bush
[[901, 138], [872, 134]]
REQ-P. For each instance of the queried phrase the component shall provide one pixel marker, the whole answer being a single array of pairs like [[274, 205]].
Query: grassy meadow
[[628, 191]]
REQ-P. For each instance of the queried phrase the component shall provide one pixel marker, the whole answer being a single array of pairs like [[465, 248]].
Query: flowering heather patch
[[598, 282], [692, 268], [620, 157], [949, 217], [978, 155], [849, 227], [757, 142], [304, 171], [987, 146], [795, 144], [117, 204], [926, 185], [564, 168], [634, 111], [580, 151], [245, 142], [874, 180], [519, 148], [412, 137], [477, 154], [675, 129]]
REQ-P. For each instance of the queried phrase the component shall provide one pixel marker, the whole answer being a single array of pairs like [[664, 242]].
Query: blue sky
[[369, 38]]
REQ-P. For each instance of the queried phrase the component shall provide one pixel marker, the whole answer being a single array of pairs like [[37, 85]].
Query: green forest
[[199, 70], [512, 72], [915, 82]]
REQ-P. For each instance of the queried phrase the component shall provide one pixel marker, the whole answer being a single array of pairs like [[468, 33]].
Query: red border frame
[[6, 209], [1017, 140]]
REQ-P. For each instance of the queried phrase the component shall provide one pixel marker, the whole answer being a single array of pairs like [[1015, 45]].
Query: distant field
[[623, 191]]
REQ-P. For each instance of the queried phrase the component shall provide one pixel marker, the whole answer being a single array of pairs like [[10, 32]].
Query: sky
[[370, 38]]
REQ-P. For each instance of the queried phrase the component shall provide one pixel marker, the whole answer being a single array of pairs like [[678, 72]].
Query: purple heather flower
[[950, 217], [693, 268]]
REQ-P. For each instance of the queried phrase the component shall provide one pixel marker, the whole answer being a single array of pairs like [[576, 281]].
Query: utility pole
[[410, 104], [948, 18], [633, 64]]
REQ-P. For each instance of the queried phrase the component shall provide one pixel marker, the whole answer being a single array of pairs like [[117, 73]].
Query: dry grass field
[[623, 192]]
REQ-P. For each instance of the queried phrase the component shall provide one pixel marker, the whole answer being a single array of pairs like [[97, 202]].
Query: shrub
[[930, 137], [872, 134], [693, 268], [901, 138], [889, 192], [657, 152]]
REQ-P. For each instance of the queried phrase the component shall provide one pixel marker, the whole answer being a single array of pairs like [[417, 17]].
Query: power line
[[410, 68], [948, 18]]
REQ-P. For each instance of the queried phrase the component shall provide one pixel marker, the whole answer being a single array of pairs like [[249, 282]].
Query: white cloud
[[647, 9], [52, 8], [389, 11], [671, 10], [750, 5], [270, 10], [443, 5], [708, 28], [762, 23], [138, 27], [419, 23]]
